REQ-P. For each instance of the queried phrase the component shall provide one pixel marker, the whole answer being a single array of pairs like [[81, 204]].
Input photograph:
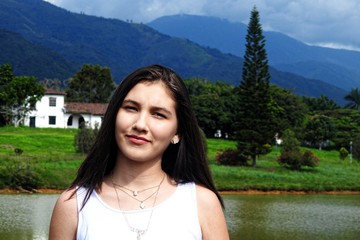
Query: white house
[[53, 112]]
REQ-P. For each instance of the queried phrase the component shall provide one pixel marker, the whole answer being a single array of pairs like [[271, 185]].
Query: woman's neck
[[137, 175]]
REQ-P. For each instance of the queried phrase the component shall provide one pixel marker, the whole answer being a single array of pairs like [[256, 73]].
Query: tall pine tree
[[254, 124]]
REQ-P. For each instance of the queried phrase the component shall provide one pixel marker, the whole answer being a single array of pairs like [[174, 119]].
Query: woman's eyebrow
[[154, 108], [130, 101]]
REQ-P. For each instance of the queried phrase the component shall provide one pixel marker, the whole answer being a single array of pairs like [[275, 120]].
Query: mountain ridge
[[123, 47], [284, 53]]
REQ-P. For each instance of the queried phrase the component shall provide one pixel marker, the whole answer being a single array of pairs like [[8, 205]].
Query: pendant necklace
[[139, 232], [142, 202], [135, 192]]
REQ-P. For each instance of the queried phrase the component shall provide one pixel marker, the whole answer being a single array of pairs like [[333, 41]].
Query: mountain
[[337, 67], [119, 45], [123, 47], [29, 59]]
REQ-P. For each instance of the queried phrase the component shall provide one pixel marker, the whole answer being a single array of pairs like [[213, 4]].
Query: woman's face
[[146, 122]]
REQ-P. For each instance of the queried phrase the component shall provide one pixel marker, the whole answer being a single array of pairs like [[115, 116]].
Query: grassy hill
[[49, 155]]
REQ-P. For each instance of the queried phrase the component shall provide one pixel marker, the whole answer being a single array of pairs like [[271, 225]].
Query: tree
[[289, 109], [318, 130], [18, 95], [255, 122], [92, 84], [54, 84], [354, 98], [213, 105], [321, 103]]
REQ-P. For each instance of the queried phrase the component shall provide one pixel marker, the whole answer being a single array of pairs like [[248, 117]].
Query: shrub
[[309, 159], [231, 157], [343, 153], [291, 159], [266, 148], [290, 142], [85, 138], [18, 174], [291, 155]]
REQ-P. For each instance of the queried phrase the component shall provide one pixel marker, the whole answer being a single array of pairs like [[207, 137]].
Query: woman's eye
[[130, 108], [159, 115]]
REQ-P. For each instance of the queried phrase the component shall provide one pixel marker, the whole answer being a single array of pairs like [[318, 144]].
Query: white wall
[[43, 113]]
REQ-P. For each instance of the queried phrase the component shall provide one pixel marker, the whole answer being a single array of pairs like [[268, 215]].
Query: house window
[[52, 101], [52, 120]]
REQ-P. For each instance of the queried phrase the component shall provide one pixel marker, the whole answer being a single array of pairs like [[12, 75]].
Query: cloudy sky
[[331, 23]]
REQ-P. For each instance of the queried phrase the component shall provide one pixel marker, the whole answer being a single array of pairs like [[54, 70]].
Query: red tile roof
[[86, 108]]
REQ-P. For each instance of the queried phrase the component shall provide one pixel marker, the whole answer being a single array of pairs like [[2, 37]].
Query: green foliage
[[354, 99], [289, 110], [18, 95], [255, 120], [85, 139], [309, 159], [291, 159], [346, 126], [321, 103], [231, 157], [92, 84], [19, 174], [319, 129], [266, 148], [343, 153], [356, 148], [290, 142], [214, 105], [291, 155]]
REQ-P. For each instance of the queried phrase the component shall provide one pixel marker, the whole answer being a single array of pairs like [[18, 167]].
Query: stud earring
[[175, 140]]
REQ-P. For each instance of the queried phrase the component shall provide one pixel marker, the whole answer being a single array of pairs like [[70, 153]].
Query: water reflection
[[293, 216], [260, 217], [25, 216]]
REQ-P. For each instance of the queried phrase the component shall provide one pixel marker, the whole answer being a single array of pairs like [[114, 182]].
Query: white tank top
[[175, 219]]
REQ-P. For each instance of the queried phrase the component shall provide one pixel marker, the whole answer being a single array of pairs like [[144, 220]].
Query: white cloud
[[336, 46], [312, 21]]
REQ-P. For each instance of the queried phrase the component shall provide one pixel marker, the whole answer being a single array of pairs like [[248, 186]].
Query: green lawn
[[50, 153]]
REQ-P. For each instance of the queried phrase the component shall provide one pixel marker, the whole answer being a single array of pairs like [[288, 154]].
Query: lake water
[[260, 217]]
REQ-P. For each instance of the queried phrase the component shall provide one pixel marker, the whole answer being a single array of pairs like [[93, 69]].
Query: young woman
[[146, 176]]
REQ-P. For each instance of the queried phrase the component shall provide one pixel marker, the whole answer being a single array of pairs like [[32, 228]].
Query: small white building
[[53, 112]]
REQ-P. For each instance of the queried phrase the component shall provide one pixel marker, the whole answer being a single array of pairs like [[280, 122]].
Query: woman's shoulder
[[213, 223], [64, 218], [67, 201], [206, 197]]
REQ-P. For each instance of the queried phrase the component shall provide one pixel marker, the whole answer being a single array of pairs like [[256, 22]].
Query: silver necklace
[[135, 192], [142, 202], [139, 232]]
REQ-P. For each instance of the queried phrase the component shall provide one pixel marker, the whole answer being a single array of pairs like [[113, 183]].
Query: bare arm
[[211, 215], [64, 218]]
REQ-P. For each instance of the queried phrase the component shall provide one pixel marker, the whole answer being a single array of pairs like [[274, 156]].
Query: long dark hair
[[184, 162]]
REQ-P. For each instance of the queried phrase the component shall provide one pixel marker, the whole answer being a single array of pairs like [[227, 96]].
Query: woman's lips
[[137, 140]]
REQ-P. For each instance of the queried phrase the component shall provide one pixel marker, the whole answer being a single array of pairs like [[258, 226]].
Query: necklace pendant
[[135, 193], [142, 205], [139, 233]]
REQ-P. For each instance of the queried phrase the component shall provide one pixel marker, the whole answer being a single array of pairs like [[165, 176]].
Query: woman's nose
[[140, 123]]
